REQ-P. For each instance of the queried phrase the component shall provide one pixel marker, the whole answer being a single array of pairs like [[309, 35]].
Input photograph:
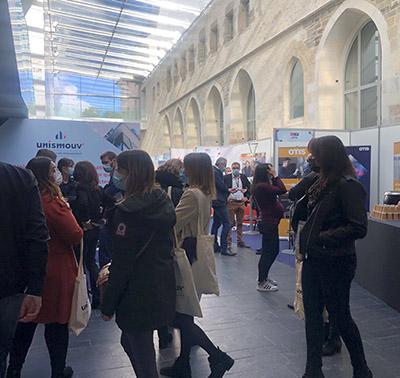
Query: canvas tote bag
[[187, 300], [80, 307], [204, 268]]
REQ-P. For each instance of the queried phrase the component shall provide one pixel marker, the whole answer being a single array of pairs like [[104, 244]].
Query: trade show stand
[[378, 256]]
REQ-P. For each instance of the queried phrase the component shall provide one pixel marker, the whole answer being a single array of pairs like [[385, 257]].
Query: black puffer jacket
[[336, 221], [141, 291]]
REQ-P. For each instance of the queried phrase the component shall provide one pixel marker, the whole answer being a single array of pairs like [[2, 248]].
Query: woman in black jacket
[[141, 286], [336, 218], [87, 210]]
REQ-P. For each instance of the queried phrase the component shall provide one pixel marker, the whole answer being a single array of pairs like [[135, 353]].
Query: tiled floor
[[257, 329]]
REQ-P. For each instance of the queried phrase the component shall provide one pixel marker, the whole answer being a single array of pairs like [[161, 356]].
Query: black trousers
[[90, 240], [270, 249], [139, 347], [56, 336], [327, 281], [9, 312]]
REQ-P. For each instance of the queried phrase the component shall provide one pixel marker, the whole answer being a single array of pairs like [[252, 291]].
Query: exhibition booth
[[375, 153]]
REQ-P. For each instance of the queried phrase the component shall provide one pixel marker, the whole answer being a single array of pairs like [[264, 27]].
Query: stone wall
[[316, 32]]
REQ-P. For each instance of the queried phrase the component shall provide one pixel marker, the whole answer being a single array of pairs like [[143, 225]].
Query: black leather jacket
[[337, 220]]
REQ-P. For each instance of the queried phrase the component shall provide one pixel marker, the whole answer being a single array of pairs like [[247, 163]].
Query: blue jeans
[[9, 312], [221, 217], [105, 240]]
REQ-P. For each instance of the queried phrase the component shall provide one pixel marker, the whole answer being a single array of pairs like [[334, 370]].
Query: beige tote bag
[[204, 268], [80, 307]]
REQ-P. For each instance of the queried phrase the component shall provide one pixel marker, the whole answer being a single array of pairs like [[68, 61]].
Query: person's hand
[[273, 172], [30, 308], [106, 318], [243, 190], [233, 190]]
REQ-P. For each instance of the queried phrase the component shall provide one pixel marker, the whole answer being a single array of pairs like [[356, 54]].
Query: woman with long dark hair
[[87, 210], [141, 288], [194, 209], [60, 277], [266, 188], [336, 218]]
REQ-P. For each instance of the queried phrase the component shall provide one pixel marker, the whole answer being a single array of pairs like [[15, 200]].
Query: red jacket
[[266, 195], [61, 266]]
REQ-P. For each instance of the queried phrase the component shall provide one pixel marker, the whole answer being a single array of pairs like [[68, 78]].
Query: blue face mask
[[119, 181], [71, 171], [236, 172], [107, 168]]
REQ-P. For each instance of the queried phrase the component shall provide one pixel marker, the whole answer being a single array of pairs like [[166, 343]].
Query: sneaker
[[272, 282], [220, 364], [266, 287], [180, 369], [259, 251]]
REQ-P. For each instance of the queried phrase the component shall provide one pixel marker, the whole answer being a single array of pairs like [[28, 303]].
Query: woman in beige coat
[[193, 215]]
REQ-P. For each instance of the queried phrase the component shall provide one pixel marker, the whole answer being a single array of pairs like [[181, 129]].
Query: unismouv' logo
[[60, 143]]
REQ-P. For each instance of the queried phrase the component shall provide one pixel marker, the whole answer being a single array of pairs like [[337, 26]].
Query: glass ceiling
[[100, 40]]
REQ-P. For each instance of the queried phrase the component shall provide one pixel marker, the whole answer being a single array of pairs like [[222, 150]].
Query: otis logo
[[297, 152], [59, 144]]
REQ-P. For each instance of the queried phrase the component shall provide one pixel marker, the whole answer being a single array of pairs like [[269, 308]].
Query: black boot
[[366, 374], [332, 346], [220, 363], [314, 374], [66, 373], [180, 369], [13, 373]]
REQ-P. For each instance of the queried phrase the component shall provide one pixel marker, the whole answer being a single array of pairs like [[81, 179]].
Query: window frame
[[360, 87]]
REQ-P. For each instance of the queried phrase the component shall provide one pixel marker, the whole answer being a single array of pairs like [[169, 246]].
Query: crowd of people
[[134, 224]]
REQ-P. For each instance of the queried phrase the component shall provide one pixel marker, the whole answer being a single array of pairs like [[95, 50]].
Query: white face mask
[[58, 177]]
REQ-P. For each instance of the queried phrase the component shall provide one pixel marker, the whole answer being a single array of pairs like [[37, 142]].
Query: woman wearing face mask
[[141, 288], [336, 218], [266, 188], [88, 212], [60, 278]]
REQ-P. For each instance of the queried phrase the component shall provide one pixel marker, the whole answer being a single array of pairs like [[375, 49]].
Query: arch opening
[[177, 133], [242, 110], [192, 125], [213, 134]]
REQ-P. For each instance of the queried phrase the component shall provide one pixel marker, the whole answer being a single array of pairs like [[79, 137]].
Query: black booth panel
[[378, 255]]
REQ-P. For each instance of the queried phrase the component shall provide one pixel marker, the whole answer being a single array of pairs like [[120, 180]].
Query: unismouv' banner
[[76, 140], [360, 157]]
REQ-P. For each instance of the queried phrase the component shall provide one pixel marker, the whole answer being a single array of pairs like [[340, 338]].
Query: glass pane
[[351, 100], [297, 91], [251, 115], [370, 48], [351, 80], [369, 107]]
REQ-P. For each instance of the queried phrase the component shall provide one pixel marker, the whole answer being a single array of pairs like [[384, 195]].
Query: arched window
[[251, 115], [362, 79], [297, 91]]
